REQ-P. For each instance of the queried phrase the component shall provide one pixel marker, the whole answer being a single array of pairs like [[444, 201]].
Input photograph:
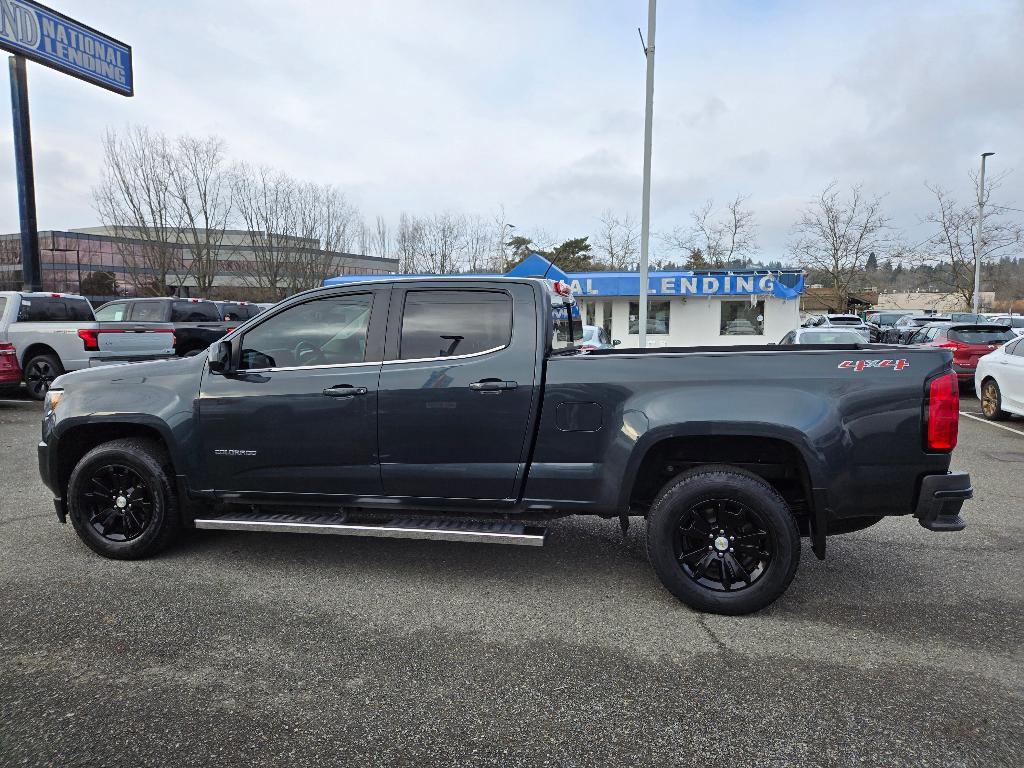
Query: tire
[[121, 499], [706, 576], [992, 401], [40, 371], [192, 353]]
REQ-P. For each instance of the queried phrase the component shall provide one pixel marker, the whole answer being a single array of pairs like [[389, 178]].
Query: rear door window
[[54, 309], [148, 311], [195, 312], [437, 323]]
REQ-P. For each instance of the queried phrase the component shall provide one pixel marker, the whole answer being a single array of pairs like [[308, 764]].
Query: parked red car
[[10, 371], [969, 342]]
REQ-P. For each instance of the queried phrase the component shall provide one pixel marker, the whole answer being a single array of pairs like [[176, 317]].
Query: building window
[[657, 317], [741, 318]]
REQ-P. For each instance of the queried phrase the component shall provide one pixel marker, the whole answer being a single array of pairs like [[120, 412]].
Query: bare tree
[[953, 246], [135, 199], [835, 236], [409, 244], [618, 243], [201, 197], [381, 239], [720, 237], [443, 244], [266, 204], [479, 237]]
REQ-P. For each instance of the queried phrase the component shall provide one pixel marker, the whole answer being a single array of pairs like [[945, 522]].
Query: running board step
[[395, 528]]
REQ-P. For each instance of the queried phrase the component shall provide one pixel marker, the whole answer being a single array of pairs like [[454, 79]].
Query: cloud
[[538, 106]]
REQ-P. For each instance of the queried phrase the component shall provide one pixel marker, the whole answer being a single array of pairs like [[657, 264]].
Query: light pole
[[981, 224], [645, 212], [501, 242]]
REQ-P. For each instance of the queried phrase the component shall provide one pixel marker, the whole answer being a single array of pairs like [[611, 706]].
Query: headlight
[[53, 397]]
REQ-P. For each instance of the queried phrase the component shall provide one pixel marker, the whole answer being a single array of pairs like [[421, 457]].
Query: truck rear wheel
[[722, 540], [121, 499]]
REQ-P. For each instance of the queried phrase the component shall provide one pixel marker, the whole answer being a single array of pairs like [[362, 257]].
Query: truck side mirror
[[616, 342], [220, 358]]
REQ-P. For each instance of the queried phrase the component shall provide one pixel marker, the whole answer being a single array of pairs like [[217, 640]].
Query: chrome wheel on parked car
[[991, 401]]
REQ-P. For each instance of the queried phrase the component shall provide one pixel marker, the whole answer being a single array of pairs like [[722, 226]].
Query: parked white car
[[54, 333], [1016, 322], [999, 381]]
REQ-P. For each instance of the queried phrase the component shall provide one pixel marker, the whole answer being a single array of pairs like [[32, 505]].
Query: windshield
[[567, 326], [195, 312], [845, 320], [830, 337]]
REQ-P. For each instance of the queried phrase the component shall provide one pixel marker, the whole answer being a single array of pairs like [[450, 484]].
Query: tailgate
[[134, 339]]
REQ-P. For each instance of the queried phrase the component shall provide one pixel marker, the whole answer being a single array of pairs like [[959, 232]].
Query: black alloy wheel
[[122, 500], [39, 374], [117, 502], [723, 545], [722, 540]]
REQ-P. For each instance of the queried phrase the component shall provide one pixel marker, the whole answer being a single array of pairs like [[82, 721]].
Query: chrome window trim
[[449, 357], [305, 367]]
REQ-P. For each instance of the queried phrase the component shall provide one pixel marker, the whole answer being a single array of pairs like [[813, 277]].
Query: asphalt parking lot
[[903, 648]]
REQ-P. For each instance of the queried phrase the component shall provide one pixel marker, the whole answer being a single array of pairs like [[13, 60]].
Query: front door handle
[[345, 390], [493, 385]]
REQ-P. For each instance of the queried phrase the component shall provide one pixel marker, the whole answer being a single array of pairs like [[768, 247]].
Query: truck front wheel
[[121, 499], [722, 540]]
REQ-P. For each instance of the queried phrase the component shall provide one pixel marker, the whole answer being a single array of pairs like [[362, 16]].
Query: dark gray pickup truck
[[460, 409]]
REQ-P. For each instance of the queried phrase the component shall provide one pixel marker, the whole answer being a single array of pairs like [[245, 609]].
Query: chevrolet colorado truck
[[461, 409], [56, 332]]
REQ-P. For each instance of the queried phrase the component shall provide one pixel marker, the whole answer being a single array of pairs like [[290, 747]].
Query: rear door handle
[[493, 385], [345, 390]]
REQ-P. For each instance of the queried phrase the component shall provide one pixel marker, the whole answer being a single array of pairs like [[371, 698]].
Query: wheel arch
[[779, 455], [38, 348], [77, 439]]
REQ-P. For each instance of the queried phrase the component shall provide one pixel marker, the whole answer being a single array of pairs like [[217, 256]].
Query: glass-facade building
[[67, 258]]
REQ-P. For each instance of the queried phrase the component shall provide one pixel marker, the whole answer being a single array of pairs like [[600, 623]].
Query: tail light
[[961, 351], [8, 356], [942, 413], [90, 339]]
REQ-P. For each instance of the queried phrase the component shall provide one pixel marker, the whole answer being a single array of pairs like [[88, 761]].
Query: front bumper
[[940, 499]]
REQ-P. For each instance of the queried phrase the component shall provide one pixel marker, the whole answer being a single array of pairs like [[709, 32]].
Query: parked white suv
[[57, 332]]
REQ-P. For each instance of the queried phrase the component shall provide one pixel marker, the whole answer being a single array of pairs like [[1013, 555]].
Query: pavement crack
[[25, 517], [719, 643]]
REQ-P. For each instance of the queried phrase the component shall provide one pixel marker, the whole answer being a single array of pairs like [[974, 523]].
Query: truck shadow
[[864, 585]]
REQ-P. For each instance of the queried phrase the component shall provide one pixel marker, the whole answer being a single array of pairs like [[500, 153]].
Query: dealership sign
[[50, 38], [783, 284]]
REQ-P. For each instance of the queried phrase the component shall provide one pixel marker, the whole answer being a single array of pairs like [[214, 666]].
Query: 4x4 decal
[[860, 365]]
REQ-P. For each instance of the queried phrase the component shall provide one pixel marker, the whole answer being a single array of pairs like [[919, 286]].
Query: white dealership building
[[685, 308]]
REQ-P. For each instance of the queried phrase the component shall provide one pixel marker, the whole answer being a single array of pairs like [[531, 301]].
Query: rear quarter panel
[[858, 431]]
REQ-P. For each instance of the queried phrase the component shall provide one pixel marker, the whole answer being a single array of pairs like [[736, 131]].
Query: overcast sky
[[538, 106]]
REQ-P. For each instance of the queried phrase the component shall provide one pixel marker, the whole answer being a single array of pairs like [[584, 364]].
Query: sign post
[[31, 276], [33, 31]]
